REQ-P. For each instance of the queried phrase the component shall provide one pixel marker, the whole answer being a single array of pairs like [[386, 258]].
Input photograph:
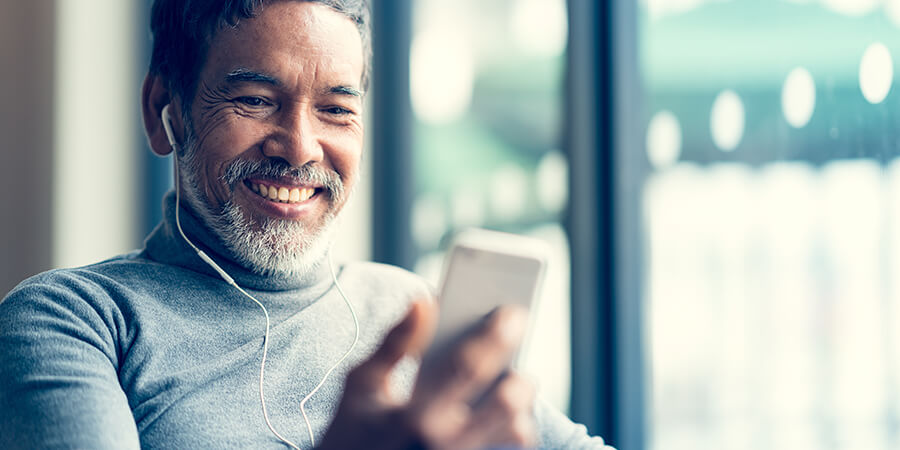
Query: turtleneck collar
[[166, 245]]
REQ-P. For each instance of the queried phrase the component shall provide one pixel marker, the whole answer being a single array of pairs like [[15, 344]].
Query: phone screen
[[477, 281]]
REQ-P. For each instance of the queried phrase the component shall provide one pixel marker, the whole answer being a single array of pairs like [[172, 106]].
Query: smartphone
[[483, 270]]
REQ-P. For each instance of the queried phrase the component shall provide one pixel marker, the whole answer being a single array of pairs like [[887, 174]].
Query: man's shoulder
[[381, 293], [385, 278], [90, 282], [60, 299]]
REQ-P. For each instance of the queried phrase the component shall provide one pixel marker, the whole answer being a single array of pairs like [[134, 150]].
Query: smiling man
[[231, 328], [273, 132]]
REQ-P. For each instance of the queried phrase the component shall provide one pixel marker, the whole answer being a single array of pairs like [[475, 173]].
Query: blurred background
[[718, 178]]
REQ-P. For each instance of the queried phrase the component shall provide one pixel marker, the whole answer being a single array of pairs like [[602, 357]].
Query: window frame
[[604, 221], [392, 165]]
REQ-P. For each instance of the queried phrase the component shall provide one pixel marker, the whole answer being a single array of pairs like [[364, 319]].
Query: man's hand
[[466, 400]]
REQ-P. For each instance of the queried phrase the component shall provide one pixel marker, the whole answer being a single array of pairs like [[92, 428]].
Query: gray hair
[[182, 30]]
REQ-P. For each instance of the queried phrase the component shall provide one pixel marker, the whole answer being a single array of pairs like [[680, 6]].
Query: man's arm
[[58, 382]]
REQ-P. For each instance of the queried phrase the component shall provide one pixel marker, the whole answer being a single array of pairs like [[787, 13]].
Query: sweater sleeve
[[558, 432], [58, 379]]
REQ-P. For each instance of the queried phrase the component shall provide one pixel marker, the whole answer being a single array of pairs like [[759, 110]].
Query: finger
[[511, 394], [519, 431], [476, 361], [409, 336], [505, 417]]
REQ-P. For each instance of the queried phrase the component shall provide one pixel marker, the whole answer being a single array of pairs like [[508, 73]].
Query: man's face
[[275, 134]]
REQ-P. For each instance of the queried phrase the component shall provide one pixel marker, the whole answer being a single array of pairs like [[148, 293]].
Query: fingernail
[[514, 325]]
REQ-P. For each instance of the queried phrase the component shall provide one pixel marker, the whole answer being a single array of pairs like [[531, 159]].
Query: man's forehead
[[310, 26], [287, 36]]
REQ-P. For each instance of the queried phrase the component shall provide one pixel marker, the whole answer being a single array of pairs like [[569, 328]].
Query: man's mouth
[[281, 194]]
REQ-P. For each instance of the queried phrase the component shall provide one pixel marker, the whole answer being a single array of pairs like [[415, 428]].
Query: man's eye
[[251, 101], [337, 110]]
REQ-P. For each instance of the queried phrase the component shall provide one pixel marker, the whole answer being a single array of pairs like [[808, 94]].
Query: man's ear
[[154, 96]]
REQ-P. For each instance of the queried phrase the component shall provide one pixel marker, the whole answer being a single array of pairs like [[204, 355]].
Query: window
[[770, 209]]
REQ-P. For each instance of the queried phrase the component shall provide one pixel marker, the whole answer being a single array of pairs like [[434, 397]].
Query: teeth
[[282, 194]]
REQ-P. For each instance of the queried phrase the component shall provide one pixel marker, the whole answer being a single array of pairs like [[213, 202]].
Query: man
[[261, 103]]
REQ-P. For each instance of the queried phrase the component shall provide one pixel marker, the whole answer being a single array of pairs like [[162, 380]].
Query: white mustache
[[241, 169]]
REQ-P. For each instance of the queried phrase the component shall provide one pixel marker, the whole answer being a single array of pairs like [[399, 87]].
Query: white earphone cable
[[229, 280], [346, 354], [262, 366]]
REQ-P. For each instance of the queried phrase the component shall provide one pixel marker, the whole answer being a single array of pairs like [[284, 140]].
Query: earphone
[[167, 126]]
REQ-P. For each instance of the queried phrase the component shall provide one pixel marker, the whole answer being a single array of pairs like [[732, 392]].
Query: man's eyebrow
[[243, 75], [344, 90], [251, 76]]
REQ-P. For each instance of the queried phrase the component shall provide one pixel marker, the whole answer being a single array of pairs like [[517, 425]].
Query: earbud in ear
[[167, 126]]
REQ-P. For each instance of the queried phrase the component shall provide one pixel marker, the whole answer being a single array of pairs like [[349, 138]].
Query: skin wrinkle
[[211, 118], [208, 98]]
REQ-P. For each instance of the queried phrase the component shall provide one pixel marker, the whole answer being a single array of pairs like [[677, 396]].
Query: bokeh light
[[540, 27], [798, 97], [663, 139], [441, 75], [876, 73], [727, 121]]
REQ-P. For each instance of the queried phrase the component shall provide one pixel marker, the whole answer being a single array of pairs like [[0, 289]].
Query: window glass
[[485, 80], [771, 210]]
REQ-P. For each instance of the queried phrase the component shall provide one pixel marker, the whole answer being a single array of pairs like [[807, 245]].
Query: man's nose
[[297, 140]]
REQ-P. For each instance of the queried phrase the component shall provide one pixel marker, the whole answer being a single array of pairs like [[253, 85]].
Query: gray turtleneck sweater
[[152, 349]]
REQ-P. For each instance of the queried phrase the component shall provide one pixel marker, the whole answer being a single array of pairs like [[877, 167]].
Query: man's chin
[[273, 246], [268, 246]]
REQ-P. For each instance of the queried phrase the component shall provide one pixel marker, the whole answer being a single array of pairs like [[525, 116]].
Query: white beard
[[272, 247]]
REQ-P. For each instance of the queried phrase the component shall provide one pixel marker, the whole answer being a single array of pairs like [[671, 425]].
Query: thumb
[[409, 337]]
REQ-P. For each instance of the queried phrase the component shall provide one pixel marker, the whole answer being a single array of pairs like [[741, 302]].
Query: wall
[[69, 123], [26, 127]]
